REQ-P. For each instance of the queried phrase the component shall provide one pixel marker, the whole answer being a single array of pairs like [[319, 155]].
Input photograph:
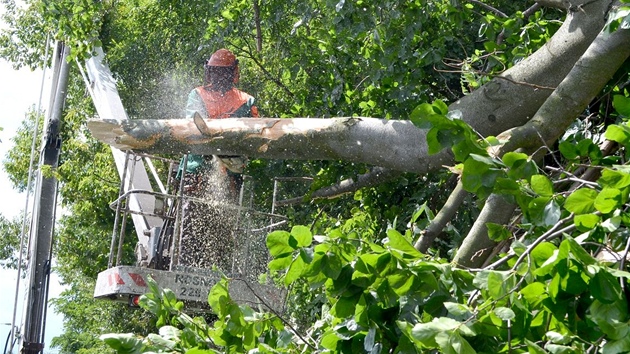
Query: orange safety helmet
[[223, 58]]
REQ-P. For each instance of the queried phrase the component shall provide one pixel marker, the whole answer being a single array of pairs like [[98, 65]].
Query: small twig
[[531, 10], [596, 344], [319, 214], [622, 263], [551, 233], [276, 313], [489, 8], [540, 87], [578, 180], [500, 261], [267, 73], [572, 177], [361, 82]]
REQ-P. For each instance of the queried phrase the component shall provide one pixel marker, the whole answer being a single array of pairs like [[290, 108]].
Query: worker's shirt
[[214, 104]]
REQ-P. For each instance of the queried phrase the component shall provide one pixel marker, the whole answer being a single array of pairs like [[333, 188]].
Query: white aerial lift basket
[[235, 247]]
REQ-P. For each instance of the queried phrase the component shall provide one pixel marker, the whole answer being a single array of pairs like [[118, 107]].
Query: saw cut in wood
[[201, 124]]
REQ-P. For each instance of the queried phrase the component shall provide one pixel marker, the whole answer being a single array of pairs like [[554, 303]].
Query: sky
[[19, 93]]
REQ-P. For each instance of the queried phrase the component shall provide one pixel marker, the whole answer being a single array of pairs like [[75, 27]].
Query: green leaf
[[123, 343], [420, 115], [608, 200], [296, 269], [504, 313], [499, 283], [557, 338], [551, 213], [280, 263], [330, 340], [568, 150], [533, 348], [480, 174], [398, 242], [535, 210], [453, 344], [614, 179], [481, 279], [619, 133], [401, 283], [609, 317], [425, 333], [433, 142], [605, 287], [201, 351], [534, 292], [460, 312], [622, 105], [332, 265], [440, 107], [303, 235], [581, 201], [498, 233], [577, 251], [541, 253], [617, 346], [344, 307], [542, 185], [160, 342], [514, 159], [586, 222], [219, 298], [278, 243]]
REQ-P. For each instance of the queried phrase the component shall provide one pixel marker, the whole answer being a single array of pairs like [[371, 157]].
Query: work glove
[[235, 164]]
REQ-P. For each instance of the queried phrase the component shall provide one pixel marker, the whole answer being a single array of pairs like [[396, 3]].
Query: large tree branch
[[512, 99], [477, 245], [596, 67], [397, 145], [376, 176], [446, 214]]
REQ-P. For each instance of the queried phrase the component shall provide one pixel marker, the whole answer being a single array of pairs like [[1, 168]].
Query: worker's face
[[220, 77]]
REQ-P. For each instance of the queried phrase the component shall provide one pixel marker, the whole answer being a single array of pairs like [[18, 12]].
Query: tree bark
[[446, 214], [256, 6], [477, 246], [596, 67]]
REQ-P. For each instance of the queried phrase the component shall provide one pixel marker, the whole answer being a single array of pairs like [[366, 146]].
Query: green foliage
[[238, 328], [75, 22], [17, 161], [10, 242], [619, 20], [388, 297], [25, 42], [84, 319]]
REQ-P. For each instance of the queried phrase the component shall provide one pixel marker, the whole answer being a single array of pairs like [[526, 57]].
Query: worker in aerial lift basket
[[205, 233]]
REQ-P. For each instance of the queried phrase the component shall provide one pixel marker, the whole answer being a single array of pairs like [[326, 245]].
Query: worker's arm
[[195, 162], [195, 104]]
